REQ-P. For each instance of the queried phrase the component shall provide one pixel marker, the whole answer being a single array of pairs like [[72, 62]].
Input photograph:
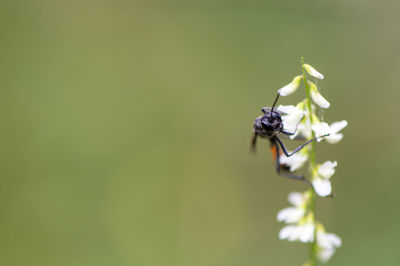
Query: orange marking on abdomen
[[273, 151]]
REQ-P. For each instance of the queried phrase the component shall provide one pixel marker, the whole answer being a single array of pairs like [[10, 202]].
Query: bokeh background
[[126, 126]]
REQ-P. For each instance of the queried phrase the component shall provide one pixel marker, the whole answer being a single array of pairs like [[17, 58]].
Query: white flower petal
[[295, 234], [303, 233], [323, 187], [319, 99], [287, 109], [307, 233], [327, 243], [313, 72], [288, 232], [334, 138], [327, 169], [292, 116], [290, 215], [291, 87], [287, 90], [295, 161], [324, 241], [323, 128], [334, 239], [320, 129], [337, 126], [289, 124], [303, 129], [296, 198], [325, 254]]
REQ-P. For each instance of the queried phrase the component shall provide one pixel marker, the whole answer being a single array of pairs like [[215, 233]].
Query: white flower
[[317, 97], [296, 213], [321, 182], [313, 72], [327, 243], [307, 232], [325, 254], [289, 232], [290, 215], [295, 161], [303, 129], [323, 128], [327, 169], [291, 87], [328, 240], [323, 187], [297, 198], [302, 232], [301, 124], [292, 116]]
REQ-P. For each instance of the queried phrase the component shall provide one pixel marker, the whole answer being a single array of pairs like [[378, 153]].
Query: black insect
[[269, 126]]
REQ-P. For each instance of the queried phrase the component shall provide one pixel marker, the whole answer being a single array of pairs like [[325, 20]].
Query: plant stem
[[311, 153]]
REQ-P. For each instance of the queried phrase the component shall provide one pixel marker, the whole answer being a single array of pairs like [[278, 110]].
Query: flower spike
[[301, 121]]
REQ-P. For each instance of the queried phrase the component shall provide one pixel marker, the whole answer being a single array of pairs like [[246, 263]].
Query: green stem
[[311, 208]]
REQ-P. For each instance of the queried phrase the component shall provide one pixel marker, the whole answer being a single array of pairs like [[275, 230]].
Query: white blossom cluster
[[297, 119], [301, 225]]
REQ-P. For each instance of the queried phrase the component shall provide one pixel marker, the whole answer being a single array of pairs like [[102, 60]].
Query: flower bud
[[317, 97], [313, 72], [291, 87]]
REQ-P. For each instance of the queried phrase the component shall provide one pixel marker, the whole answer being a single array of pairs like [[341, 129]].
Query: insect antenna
[[276, 99]]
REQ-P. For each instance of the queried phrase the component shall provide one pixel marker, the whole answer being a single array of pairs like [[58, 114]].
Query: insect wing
[[253, 142], [268, 109]]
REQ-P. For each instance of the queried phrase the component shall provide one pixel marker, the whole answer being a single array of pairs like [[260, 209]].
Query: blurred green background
[[126, 127]]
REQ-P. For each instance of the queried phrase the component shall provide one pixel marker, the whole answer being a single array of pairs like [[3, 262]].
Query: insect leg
[[278, 166], [288, 133], [298, 148], [253, 142]]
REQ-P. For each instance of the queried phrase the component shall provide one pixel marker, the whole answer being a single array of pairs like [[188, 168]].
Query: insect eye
[[266, 125]]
